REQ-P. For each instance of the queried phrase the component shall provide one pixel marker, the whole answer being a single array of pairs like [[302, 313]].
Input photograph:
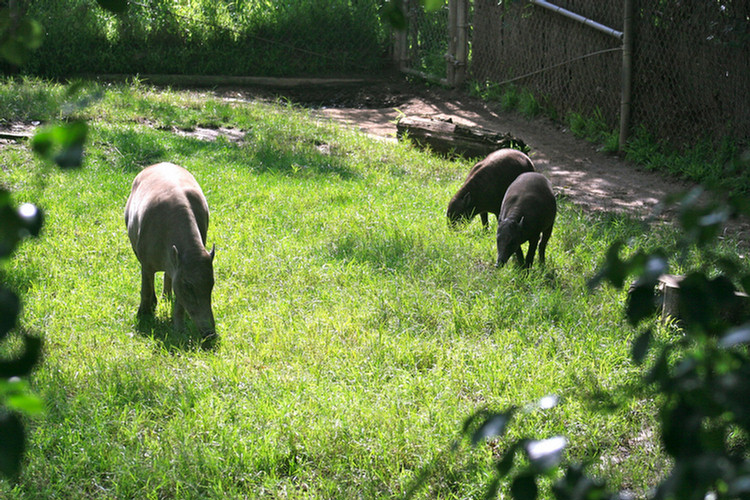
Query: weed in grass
[[594, 129]]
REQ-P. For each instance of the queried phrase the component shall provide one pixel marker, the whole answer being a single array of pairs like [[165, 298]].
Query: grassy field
[[357, 331]]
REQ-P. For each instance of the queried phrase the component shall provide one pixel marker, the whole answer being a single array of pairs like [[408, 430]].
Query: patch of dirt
[[212, 134]]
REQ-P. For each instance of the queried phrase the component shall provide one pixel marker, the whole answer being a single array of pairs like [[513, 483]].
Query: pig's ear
[[174, 256], [213, 251]]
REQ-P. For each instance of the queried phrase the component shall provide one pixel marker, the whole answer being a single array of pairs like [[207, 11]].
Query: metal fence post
[[627, 71]]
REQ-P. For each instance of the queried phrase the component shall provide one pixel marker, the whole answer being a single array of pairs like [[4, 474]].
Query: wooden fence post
[[458, 42], [627, 71], [401, 43]]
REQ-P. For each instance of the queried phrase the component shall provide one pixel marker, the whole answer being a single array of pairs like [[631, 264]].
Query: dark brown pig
[[167, 220], [485, 186], [528, 211]]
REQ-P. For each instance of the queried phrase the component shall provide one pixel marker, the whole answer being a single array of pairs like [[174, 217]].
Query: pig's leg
[[533, 242], [543, 244], [148, 296], [178, 316], [167, 286]]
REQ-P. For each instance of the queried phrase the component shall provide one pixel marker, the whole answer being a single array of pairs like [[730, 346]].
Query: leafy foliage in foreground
[[20, 35]]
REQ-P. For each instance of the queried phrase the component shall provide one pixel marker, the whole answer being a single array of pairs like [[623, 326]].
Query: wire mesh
[[569, 66], [427, 39], [691, 66], [691, 61]]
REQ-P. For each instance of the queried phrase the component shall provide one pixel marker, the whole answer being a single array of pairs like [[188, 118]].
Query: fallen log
[[453, 139], [15, 136]]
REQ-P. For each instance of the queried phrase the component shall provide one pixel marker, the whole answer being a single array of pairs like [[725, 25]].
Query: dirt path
[[589, 178]]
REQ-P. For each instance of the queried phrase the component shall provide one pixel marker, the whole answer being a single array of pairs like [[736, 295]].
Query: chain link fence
[[690, 61], [691, 70], [569, 66], [422, 49]]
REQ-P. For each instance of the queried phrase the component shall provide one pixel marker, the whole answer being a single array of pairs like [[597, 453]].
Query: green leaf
[[736, 336], [17, 395], [547, 453], [641, 303], [116, 6], [14, 52], [430, 5], [640, 346], [29, 404], [12, 444], [31, 219], [30, 33], [392, 13], [62, 143], [613, 270], [524, 487], [23, 365], [10, 308], [19, 39], [493, 426]]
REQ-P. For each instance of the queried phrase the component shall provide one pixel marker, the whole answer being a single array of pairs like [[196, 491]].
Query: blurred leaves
[[19, 36], [62, 144], [702, 376], [17, 223], [494, 425], [16, 395], [12, 443], [25, 362], [546, 453], [393, 12], [115, 6]]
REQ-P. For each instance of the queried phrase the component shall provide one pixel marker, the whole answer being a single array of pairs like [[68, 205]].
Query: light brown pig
[[167, 220]]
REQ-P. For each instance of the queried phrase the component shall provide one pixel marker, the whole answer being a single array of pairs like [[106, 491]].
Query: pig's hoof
[[210, 342], [146, 312]]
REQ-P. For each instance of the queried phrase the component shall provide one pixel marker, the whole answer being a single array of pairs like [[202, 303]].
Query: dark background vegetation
[[315, 37]]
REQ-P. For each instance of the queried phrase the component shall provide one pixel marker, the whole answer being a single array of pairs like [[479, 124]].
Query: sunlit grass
[[357, 330]]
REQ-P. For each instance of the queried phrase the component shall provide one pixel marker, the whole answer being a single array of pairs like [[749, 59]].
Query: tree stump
[[669, 285], [452, 139], [734, 311]]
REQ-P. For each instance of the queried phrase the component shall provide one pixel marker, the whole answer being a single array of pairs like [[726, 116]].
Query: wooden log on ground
[[15, 136], [446, 137]]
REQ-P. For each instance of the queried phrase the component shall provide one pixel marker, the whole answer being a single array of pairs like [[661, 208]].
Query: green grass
[[357, 330]]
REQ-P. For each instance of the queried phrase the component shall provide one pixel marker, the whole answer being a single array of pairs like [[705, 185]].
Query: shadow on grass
[[315, 159], [138, 147], [162, 331]]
